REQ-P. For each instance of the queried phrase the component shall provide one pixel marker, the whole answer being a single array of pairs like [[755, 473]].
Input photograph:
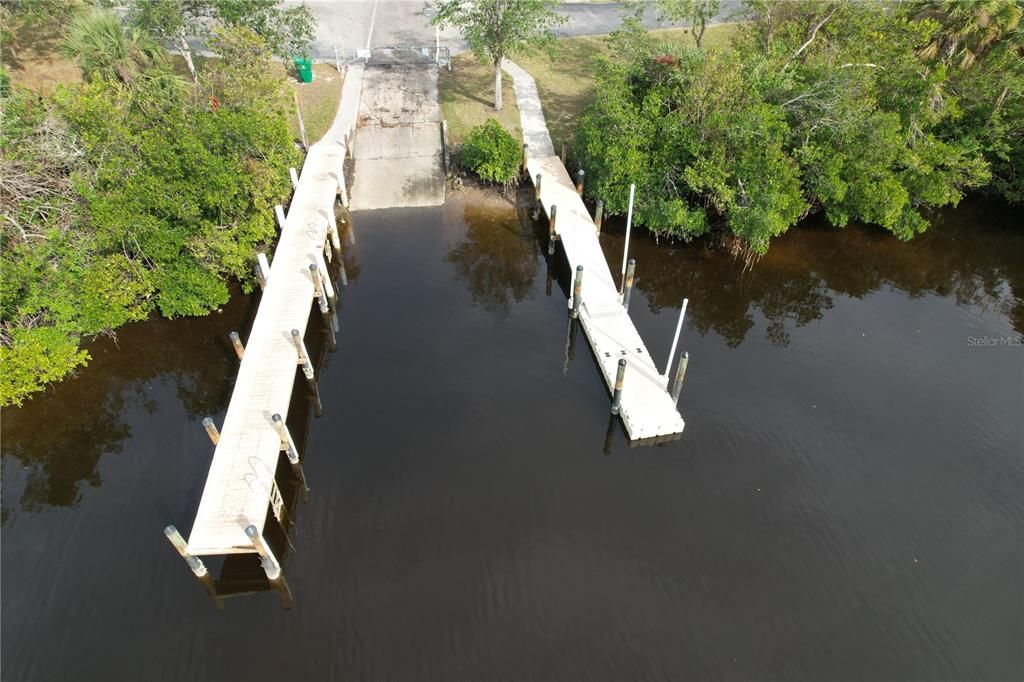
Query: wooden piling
[[627, 288], [262, 270], [194, 563], [598, 215], [677, 386], [552, 234], [620, 378], [525, 148], [342, 188], [291, 452], [211, 430], [279, 212], [577, 292], [302, 126], [307, 371], [295, 178], [270, 564], [332, 232], [562, 156], [536, 198], [236, 342], [579, 181], [325, 308]]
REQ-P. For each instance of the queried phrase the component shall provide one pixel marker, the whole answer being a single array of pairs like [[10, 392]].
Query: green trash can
[[305, 69]]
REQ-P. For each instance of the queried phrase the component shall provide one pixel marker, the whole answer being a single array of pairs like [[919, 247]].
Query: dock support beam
[[620, 377], [307, 371], [598, 215], [627, 288], [211, 430], [270, 565], [552, 234], [577, 292], [677, 386], [236, 342], [675, 340]]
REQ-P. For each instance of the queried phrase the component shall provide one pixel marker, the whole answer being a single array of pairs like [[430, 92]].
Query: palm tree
[[106, 50], [968, 30]]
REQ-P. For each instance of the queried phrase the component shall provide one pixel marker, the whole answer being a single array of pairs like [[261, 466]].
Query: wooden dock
[[240, 486], [647, 409]]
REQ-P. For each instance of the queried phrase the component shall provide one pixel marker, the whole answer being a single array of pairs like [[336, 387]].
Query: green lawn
[[565, 82], [319, 100]]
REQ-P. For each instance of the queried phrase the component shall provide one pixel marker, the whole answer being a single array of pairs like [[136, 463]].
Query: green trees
[[106, 50], [496, 29], [844, 108], [125, 197]]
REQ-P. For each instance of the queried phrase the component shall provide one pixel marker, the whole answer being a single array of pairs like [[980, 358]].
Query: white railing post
[[675, 340], [629, 226]]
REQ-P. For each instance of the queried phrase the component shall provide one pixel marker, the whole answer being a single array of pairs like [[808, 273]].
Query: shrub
[[492, 153]]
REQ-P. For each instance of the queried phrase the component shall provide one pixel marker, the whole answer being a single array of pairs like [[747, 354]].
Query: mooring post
[[211, 430], [270, 565], [677, 386], [620, 377], [307, 371], [279, 212], [197, 566], [598, 215], [295, 178], [332, 296], [325, 309], [580, 174], [262, 270], [342, 189], [675, 339], [525, 149], [536, 198], [552, 234], [577, 292], [332, 232], [629, 225], [236, 341], [302, 126], [627, 288], [291, 452]]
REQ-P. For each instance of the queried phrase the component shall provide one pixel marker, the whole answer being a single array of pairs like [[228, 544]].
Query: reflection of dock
[[241, 488], [647, 409]]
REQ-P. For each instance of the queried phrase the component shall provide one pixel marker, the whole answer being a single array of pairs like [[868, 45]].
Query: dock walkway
[[241, 480], [647, 409]]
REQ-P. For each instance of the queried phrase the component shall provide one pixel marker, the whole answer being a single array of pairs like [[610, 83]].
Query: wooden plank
[[240, 483], [647, 409]]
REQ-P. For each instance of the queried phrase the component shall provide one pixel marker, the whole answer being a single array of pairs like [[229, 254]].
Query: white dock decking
[[241, 479], [647, 409]]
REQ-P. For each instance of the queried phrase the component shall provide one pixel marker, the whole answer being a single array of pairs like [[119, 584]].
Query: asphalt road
[[359, 24]]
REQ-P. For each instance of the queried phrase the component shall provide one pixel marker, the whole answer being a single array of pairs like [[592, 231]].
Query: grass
[[565, 82], [34, 61], [319, 100], [467, 98]]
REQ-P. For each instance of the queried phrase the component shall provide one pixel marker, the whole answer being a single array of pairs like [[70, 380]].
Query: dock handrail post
[[295, 178], [577, 292], [552, 234], [629, 225], [194, 563], [342, 189], [236, 342], [598, 215], [270, 564], [536, 198], [620, 377], [307, 371], [279, 212], [580, 175], [677, 386], [627, 288], [526, 171], [302, 126], [211, 430], [675, 339], [325, 309]]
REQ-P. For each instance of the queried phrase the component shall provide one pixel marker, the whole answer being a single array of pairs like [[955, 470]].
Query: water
[[846, 501]]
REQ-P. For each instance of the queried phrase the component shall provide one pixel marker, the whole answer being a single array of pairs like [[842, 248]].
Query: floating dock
[[647, 409]]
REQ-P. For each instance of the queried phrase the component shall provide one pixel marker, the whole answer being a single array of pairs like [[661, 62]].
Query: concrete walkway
[[647, 411], [398, 155]]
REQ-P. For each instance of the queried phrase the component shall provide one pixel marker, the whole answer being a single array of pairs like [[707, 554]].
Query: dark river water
[[845, 503]]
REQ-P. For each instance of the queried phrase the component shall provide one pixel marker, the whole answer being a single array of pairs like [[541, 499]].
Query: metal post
[[552, 235], [620, 376], [342, 189], [270, 565], [295, 178], [325, 309], [675, 339], [579, 181], [536, 198], [677, 386], [279, 212], [337, 59], [598, 215], [302, 126], [197, 566], [627, 288], [629, 225], [577, 292], [525, 169], [236, 341], [211, 430], [262, 270]]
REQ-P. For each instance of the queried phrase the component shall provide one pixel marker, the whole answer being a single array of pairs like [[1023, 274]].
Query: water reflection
[[810, 267], [498, 257]]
